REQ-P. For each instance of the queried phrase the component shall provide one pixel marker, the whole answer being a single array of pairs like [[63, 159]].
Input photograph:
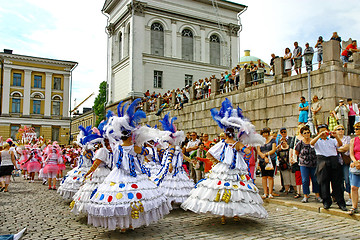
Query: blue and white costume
[[154, 161], [82, 196], [176, 184], [228, 190], [127, 198], [73, 179]]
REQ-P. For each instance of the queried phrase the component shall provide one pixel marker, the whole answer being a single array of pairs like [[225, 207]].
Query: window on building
[[36, 106], [37, 81], [188, 80], [55, 134], [214, 50], [57, 83], [120, 46], [16, 101], [56, 108], [37, 131], [157, 39], [158, 78], [128, 41], [16, 79], [187, 45], [14, 130]]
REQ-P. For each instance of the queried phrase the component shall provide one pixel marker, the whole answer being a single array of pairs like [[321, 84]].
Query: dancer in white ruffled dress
[[152, 160], [172, 177], [71, 183], [127, 198], [100, 169], [227, 190]]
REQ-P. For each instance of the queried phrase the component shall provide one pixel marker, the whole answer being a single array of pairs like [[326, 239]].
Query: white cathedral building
[[160, 45]]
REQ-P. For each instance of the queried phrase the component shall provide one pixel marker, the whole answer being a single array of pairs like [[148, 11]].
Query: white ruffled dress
[[127, 197], [154, 164], [176, 184], [72, 181], [82, 196], [227, 190]]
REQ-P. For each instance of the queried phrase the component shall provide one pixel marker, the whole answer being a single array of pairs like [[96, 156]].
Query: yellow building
[[35, 92], [86, 119]]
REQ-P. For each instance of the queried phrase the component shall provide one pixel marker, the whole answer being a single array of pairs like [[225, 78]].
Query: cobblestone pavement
[[47, 216]]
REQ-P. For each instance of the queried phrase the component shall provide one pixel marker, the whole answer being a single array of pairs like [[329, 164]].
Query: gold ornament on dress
[[217, 198]]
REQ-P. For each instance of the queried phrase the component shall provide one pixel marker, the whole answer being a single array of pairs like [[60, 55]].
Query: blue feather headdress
[[168, 125], [228, 117], [125, 121], [174, 137]]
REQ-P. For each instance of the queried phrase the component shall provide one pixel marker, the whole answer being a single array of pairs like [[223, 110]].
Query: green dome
[[246, 59]]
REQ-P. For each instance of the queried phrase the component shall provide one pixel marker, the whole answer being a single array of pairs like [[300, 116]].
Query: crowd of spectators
[[229, 80], [302, 161]]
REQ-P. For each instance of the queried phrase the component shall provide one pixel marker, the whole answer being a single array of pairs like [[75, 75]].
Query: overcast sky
[[75, 30]]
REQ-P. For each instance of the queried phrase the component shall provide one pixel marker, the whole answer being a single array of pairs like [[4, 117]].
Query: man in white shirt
[[328, 168], [192, 145]]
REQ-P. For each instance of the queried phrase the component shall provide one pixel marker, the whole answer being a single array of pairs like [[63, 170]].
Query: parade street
[[47, 216]]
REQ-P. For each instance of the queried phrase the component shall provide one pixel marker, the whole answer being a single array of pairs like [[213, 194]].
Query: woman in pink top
[[355, 162]]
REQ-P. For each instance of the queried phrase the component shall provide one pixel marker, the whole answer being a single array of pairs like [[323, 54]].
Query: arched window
[[214, 50], [187, 45], [16, 101], [56, 106], [120, 46], [36, 103], [157, 39]]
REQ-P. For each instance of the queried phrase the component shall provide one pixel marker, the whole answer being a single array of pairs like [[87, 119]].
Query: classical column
[[137, 43], [167, 43], [6, 91], [66, 93], [203, 44], [197, 43], [173, 39], [48, 87], [27, 91], [122, 29]]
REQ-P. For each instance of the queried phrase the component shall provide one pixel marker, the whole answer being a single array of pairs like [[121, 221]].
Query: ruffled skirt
[[82, 196], [122, 201], [23, 165], [71, 183], [226, 192], [53, 168], [154, 167], [62, 167], [33, 167], [176, 187]]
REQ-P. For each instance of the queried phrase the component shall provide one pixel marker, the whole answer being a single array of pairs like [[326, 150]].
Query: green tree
[[99, 103]]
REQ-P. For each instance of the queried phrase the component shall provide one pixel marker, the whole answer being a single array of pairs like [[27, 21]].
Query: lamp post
[[308, 56]]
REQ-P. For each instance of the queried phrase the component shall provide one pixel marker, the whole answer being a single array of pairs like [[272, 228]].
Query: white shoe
[[348, 202]]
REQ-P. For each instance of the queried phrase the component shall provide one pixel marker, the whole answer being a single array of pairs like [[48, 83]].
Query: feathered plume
[[135, 116], [167, 125], [228, 117]]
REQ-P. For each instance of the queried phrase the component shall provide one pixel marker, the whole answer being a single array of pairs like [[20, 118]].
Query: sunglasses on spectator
[[356, 128], [192, 135], [283, 132], [339, 129], [306, 132]]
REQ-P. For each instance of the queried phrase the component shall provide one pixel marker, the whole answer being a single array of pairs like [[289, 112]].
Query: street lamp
[[308, 63]]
